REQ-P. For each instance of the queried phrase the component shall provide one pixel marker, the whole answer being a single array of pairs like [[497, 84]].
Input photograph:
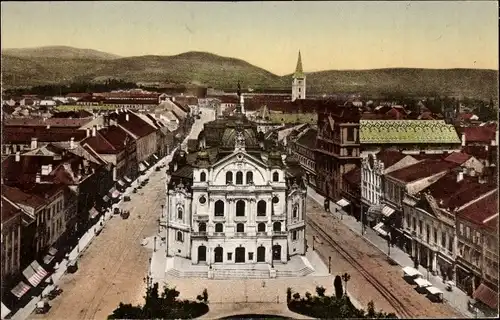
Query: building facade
[[299, 82]]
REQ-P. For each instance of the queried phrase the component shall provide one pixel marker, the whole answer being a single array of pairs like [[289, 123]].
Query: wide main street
[[113, 267]]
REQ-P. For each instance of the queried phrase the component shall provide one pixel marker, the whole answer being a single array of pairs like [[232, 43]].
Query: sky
[[330, 35]]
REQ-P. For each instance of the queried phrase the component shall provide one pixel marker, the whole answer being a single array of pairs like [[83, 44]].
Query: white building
[[235, 204]]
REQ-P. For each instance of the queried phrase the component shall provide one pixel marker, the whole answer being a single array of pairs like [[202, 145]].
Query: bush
[[164, 306], [288, 294], [320, 290], [327, 307]]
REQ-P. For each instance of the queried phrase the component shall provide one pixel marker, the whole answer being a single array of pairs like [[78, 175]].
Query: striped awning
[[5, 311], [115, 194], [20, 290], [379, 228], [343, 202], [35, 273], [486, 295], [387, 211]]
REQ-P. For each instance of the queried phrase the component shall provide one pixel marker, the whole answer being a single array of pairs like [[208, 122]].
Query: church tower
[[299, 82]]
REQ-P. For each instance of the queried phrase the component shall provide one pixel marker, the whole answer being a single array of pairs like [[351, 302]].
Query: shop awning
[[48, 259], [147, 163], [93, 213], [343, 202], [156, 157], [387, 211], [121, 183], [379, 228], [105, 198], [115, 194], [422, 283], [52, 251], [486, 295], [412, 272], [20, 290], [434, 290], [5, 311], [35, 273], [142, 167], [127, 179]]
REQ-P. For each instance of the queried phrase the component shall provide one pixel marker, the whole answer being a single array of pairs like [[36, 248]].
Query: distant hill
[[51, 65], [63, 52]]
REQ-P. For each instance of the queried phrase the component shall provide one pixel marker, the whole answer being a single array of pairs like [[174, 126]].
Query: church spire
[[299, 73]]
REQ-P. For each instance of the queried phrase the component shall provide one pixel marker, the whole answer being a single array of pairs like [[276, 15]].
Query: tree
[[320, 290], [289, 294], [126, 311], [337, 283]]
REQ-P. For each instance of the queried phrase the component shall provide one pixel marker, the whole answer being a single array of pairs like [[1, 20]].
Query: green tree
[[337, 283]]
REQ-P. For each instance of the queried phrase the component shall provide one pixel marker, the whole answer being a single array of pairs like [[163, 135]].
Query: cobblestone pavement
[[375, 262]]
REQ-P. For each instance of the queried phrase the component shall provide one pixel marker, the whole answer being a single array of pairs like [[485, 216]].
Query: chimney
[[94, 131], [18, 156], [72, 143], [126, 117], [463, 139], [34, 143], [88, 132], [460, 176], [37, 178]]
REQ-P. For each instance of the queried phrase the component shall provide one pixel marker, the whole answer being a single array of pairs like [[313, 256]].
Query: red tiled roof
[[52, 122], [8, 210], [109, 140], [73, 114], [390, 157], [450, 193], [458, 157], [479, 134], [354, 176], [135, 124], [479, 211], [479, 152], [23, 135], [421, 170], [486, 295], [17, 195]]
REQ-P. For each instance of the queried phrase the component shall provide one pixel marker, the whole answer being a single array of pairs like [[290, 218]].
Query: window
[[179, 213], [219, 208], [240, 227], [420, 229], [249, 177], [407, 219], [276, 176], [350, 134], [435, 236], [414, 224], [295, 212], [179, 236], [229, 177], [443, 240], [277, 226], [261, 208], [203, 200], [240, 208], [461, 226], [467, 232], [239, 177], [203, 177], [202, 227], [294, 235], [427, 232], [261, 227], [450, 244], [219, 227]]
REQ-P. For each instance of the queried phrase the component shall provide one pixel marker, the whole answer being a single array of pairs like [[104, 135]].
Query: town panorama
[[130, 199]]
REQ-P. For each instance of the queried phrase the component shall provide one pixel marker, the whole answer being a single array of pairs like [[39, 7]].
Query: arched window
[[277, 226], [295, 212], [261, 227], [239, 177], [240, 208], [203, 177], [219, 208], [261, 208], [219, 227], [249, 177], [179, 213], [240, 227], [179, 236], [276, 176], [202, 227], [229, 177]]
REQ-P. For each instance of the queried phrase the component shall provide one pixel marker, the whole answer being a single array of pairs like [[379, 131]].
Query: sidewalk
[[457, 298]]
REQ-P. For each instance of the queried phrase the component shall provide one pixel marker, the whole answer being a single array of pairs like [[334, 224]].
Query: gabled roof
[[308, 138], [483, 134], [52, 122], [458, 157], [108, 140], [23, 135], [135, 124], [421, 170], [17, 195], [407, 131], [482, 212], [390, 157], [9, 210]]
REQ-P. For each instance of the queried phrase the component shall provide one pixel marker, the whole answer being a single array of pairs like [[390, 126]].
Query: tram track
[[396, 303]]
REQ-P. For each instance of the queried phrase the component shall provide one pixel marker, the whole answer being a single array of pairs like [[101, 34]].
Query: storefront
[[445, 267]]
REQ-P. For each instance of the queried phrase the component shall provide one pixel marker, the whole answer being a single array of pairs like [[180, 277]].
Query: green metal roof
[[299, 72], [407, 131]]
